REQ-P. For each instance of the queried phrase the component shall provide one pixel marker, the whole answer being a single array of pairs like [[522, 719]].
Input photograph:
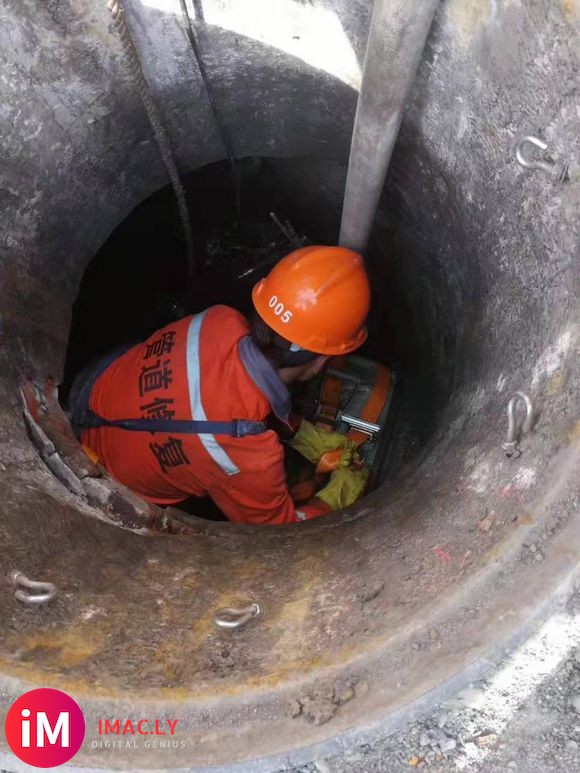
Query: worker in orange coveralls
[[184, 413]]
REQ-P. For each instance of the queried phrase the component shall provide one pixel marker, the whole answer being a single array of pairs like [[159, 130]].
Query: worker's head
[[292, 362], [312, 305]]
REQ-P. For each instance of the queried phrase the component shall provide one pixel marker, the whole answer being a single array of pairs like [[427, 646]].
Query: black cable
[[343, 408], [158, 127]]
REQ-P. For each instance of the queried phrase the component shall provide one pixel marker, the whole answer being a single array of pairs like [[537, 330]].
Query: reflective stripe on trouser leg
[[209, 442]]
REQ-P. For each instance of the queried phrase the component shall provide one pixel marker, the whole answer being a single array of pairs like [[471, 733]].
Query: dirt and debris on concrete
[[321, 706], [524, 716]]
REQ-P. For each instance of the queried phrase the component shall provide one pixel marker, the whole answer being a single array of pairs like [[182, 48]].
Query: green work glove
[[313, 443], [345, 487]]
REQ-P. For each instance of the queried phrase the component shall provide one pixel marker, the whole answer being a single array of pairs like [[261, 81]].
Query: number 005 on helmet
[[318, 298]]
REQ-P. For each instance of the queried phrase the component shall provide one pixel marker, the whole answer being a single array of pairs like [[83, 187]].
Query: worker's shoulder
[[214, 316], [227, 316]]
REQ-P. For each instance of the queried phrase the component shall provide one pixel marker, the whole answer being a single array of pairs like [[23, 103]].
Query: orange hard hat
[[317, 298]]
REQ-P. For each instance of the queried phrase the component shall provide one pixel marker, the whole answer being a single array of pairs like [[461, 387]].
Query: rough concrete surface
[[473, 273], [524, 716]]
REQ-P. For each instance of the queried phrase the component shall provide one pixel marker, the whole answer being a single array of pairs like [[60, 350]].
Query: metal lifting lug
[[559, 171], [230, 618], [517, 430], [32, 592]]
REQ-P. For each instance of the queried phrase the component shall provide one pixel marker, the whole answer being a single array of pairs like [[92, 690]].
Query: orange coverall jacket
[[203, 367]]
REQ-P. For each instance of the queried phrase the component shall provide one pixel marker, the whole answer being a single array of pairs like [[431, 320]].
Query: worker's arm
[[261, 496], [258, 493]]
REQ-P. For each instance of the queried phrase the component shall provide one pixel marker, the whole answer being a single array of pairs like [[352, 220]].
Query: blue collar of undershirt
[[266, 378]]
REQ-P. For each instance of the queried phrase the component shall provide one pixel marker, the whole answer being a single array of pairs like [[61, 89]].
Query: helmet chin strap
[[293, 358]]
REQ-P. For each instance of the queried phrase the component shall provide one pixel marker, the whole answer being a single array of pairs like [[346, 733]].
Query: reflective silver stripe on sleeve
[[300, 515], [209, 442]]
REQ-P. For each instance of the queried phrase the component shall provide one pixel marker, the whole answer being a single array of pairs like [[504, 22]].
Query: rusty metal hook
[[230, 618], [560, 171], [42, 592], [515, 432]]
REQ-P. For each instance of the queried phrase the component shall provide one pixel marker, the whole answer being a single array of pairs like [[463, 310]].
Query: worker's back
[[196, 368]]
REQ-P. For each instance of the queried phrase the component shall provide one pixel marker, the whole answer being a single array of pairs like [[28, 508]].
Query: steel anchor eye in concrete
[[42, 592], [230, 618], [560, 171], [515, 432]]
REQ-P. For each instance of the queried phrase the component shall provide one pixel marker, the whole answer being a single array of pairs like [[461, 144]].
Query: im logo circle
[[45, 728]]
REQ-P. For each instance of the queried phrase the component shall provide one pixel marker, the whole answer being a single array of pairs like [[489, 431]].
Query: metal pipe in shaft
[[397, 36]]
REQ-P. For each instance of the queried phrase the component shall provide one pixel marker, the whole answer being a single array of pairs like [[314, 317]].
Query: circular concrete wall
[[474, 272]]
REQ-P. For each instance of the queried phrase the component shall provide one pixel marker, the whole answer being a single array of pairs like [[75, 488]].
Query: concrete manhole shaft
[[473, 263]]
